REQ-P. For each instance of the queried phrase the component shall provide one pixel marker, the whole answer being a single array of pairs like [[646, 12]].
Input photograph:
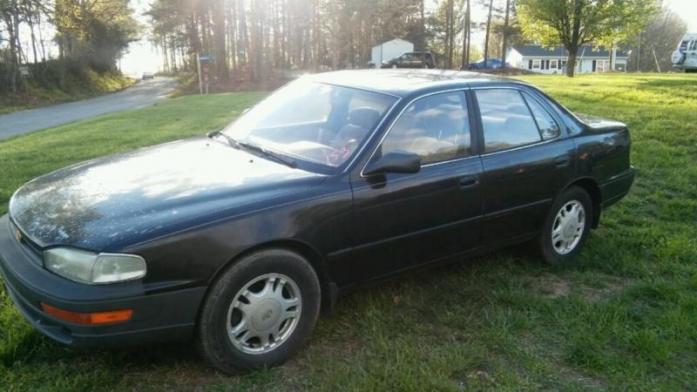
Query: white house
[[386, 51], [539, 59]]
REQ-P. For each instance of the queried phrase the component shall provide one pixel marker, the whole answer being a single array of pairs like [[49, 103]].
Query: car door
[[691, 54], [403, 220], [526, 162]]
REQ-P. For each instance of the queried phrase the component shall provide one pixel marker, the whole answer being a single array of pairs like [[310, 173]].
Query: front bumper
[[157, 316]]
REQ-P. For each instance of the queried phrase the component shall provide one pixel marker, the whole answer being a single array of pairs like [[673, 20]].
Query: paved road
[[143, 94]]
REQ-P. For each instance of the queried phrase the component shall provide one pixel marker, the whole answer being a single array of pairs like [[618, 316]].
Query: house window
[[529, 64], [536, 64], [602, 66], [553, 64]]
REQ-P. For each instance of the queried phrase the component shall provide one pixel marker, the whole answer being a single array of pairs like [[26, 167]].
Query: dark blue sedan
[[488, 64], [238, 238]]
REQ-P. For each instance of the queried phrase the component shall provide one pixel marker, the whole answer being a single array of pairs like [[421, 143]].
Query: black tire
[[212, 336], [545, 241]]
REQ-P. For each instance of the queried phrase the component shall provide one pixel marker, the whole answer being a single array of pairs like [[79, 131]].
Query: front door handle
[[562, 162], [468, 181]]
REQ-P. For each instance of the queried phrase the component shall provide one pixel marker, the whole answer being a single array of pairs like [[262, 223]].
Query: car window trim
[[561, 114], [462, 90], [532, 115], [527, 96], [482, 147]]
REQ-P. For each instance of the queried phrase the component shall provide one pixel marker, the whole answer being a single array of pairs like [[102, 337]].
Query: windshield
[[311, 121]]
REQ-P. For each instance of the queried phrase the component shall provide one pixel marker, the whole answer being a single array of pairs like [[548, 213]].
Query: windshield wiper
[[254, 147], [230, 141], [268, 153]]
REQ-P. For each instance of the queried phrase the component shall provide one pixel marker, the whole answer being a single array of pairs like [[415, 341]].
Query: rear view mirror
[[394, 162]]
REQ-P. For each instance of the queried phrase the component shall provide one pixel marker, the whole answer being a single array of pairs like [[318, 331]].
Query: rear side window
[[549, 129], [506, 120]]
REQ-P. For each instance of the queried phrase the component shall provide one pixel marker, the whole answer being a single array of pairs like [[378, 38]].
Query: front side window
[[314, 122], [434, 127], [506, 120]]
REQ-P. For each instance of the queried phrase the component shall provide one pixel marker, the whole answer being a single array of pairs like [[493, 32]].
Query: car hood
[[109, 203]]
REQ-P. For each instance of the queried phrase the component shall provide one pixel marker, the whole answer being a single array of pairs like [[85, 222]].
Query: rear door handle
[[468, 181]]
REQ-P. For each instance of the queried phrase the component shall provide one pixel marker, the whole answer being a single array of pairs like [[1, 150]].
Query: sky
[[142, 56]]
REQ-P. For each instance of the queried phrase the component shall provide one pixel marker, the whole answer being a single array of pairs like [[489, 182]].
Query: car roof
[[406, 82]]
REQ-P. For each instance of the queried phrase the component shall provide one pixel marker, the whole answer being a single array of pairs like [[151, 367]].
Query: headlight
[[92, 268]]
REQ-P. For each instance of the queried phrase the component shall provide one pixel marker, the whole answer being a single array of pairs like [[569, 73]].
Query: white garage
[[386, 51]]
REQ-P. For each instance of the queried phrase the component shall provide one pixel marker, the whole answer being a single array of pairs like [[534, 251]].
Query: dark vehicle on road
[[411, 60], [488, 64], [238, 239]]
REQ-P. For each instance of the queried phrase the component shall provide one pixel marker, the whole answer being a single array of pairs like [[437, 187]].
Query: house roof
[[560, 51]]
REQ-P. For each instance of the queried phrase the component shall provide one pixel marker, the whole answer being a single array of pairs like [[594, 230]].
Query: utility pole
[[466, 38], [488, 29], [505, 34], [198, 70]]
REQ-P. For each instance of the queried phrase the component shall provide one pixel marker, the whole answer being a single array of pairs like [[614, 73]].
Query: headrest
[[364, 117]]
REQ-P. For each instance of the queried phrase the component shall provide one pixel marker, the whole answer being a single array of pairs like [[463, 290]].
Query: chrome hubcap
[[568, 227], [264, 313]]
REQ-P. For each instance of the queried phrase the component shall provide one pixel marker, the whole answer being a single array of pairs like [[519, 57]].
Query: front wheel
[[566, 227], [259, 312]]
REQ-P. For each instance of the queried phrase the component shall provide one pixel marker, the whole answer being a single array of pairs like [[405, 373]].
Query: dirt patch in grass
[[550, 285], [612, 287], [603, 287]]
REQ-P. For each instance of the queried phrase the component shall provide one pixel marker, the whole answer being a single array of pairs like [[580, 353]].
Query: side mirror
[[394, 162]]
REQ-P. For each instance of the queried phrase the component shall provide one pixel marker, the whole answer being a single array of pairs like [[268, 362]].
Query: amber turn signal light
[[95, 318]]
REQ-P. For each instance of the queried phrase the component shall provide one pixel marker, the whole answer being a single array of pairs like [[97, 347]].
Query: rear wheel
[[259, 312], [566, 227]]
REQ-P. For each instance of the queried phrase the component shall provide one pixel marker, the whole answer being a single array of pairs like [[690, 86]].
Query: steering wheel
[[340, 154]]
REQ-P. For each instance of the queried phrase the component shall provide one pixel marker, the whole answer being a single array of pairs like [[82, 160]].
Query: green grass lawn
[[623, 316]]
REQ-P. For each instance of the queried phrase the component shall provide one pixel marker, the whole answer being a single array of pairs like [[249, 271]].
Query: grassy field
[[623, 316]]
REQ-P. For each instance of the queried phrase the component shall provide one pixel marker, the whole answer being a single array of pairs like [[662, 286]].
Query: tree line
[[89, 34], [253, 40], [250, 39]]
